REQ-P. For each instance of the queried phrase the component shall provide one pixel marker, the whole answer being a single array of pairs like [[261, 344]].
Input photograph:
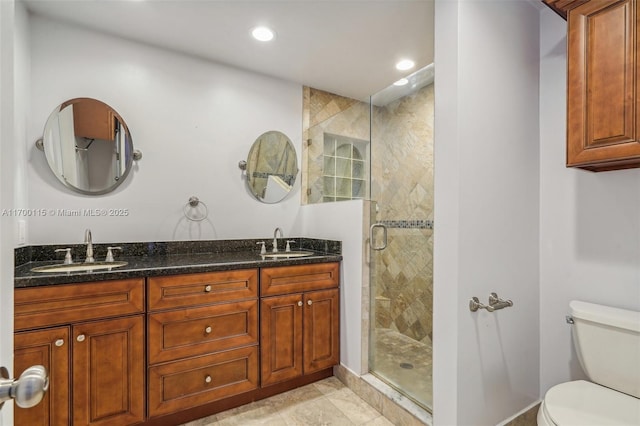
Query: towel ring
[[191, 205]]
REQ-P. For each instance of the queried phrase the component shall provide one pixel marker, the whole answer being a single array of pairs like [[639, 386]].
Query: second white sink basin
[[79, 267], [288, 254]]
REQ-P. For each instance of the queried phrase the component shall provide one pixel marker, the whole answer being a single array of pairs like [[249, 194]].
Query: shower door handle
[[384, 236]]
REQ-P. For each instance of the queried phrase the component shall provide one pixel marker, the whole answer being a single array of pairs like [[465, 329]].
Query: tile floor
[[404, 363], [327, 402]]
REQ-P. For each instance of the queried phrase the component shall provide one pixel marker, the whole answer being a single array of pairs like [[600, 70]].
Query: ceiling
[[347, 47]]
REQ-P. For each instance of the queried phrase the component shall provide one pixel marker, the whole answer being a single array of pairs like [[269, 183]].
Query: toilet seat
[[582, 403]]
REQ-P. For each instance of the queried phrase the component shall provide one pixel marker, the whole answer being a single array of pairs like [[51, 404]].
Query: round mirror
[[88, 146], [272, 167]]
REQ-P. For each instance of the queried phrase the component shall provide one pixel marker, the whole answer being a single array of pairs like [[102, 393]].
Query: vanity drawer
[[196, 381], [178, 291], [64, 304], [299, 278], [198, 331]]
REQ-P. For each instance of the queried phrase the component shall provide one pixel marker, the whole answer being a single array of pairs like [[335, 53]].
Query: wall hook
[[495, 303]]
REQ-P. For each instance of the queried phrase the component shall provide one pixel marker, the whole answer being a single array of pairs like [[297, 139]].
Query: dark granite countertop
[[173, 258]]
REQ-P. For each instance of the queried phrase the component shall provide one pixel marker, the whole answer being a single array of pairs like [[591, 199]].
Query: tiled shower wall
[[402, 186], [325, 112]]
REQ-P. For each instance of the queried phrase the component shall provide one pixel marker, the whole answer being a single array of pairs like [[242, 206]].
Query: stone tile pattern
[[327, 402], [405, 364], [402, 185], [528, 418], [386, 401], [324, 112]]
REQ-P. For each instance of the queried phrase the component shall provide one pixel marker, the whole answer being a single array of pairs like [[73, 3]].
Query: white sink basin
[[79, 267], [286, 254]]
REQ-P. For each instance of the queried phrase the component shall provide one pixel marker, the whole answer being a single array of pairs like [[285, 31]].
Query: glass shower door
[[401, 238]]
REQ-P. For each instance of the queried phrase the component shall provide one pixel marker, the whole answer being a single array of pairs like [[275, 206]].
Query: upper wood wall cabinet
[[603, 114], [94, 120]]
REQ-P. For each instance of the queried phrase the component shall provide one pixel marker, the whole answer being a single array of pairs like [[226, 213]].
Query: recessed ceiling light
[[405, 64], [263, 34], [401, 82]]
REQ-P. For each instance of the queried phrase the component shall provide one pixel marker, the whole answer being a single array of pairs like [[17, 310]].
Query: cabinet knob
[[207, 330], [207, 288], [59, 342], [80, 338], [207, 379], [300, 303], [309, 302]]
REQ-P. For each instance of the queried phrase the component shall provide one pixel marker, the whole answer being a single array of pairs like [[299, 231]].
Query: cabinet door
[[321, 330], [108, 372], [603, 117], [49, 348], [280, 338], [93, 120]]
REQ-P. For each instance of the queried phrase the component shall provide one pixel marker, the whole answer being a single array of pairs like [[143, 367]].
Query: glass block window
[[345, 168]]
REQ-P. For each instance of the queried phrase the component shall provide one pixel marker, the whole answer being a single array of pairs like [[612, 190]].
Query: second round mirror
[[272, 167]]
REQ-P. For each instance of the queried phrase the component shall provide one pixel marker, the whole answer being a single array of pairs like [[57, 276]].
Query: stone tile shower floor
[[405, 364], [327, 402]]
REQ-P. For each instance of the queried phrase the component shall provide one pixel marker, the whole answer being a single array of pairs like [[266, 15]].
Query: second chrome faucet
[[275, 239], [88, 241]]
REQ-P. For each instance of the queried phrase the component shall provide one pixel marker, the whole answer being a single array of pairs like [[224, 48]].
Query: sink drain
[[406, 365]]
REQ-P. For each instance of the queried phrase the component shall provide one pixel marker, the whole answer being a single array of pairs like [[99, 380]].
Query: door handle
[[28, 390], [384, 236]]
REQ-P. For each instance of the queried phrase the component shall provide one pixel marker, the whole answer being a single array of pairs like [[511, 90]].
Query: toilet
[[607, 341]]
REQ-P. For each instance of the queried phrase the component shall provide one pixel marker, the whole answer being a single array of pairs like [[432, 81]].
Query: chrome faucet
[[89, 243], [275, 239]]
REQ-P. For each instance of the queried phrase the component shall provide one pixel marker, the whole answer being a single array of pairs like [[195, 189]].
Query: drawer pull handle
[[207, 288], [309, 302], [80, 338], [59, 342], [207, 379], [300, 303], [207, 330]]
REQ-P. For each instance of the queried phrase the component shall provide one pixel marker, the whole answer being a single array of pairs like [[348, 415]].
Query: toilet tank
[[608, 344]]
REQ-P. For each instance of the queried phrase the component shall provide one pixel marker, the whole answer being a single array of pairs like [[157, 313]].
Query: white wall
[[14, 72], [589, 223], [343, 221], [193, 121], [486, 210], [6, 193]]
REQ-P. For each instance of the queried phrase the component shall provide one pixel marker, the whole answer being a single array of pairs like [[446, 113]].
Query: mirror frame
[[134, 155], [251, 169]]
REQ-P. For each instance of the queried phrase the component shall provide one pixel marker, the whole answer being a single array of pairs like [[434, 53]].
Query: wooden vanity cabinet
[[49, 348], [299, 320], [202, 338], [94, 353], [603, 89], [169, 349]]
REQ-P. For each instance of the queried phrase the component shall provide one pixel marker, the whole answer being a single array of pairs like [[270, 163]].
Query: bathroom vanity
[[174, 337]]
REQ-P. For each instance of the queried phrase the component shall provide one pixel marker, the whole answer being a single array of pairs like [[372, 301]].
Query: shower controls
[[495, 303]]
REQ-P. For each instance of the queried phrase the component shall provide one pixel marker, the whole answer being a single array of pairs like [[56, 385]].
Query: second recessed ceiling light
[[405, 64], [263, 34]]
